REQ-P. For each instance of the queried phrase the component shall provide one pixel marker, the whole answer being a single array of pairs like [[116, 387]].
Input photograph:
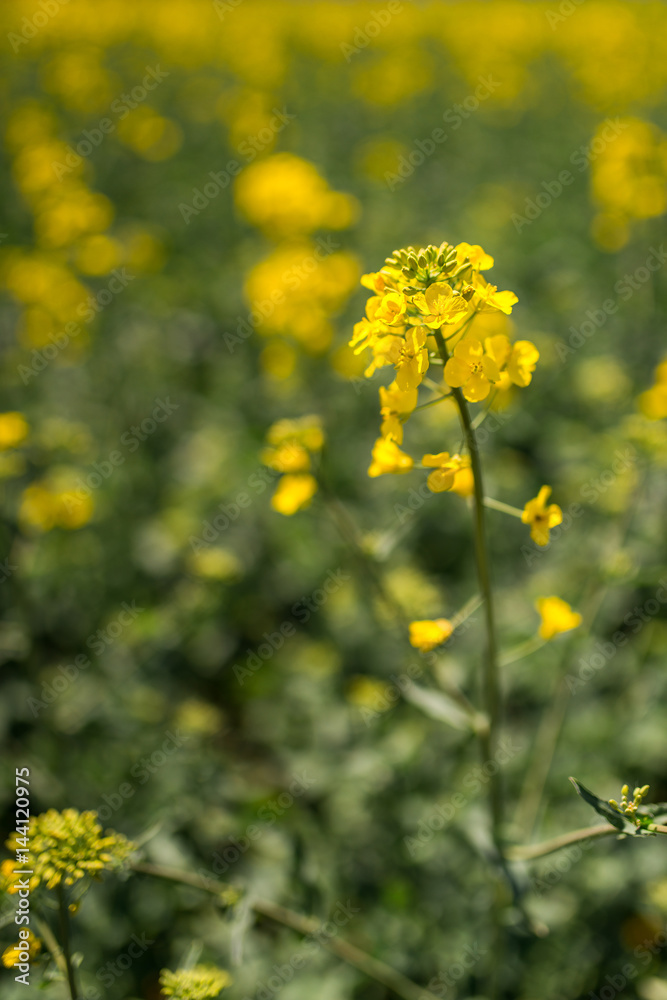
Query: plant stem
[[530, 851], [64, 933], [56, 952], [490, 682], [504, 507], [372, 967]]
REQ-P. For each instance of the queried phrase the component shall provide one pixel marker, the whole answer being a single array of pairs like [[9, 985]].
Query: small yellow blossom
[[446, 467], [464, 482], [440, 305], [388, 457], [204, 982], [13, 429], [293, 493], [287, 457], [478, 258], [426, 635], [396, 405], [24, 950], [488, 297], [557, 617], [540, 517], [471, 369], [412, 362]]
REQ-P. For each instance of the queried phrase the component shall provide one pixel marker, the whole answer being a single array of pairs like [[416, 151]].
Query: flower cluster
[[68, 846], [204, 982], [291, 443], [629, 808], [429, 305]]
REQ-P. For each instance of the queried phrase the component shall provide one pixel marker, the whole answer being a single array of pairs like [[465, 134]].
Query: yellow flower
[[557, 616], [515, 361], [13, 429], [439, 304], [305, 430], [522, 361], [471, 369], [426, 635], [396, 405], [480, 260], [487, 296], [464, 482], [27, 949], [388, 457], [391, 309], [540, 517], [287, 457], [204, 982], [412, 363], [67, 846], [293, 493], [446, 468]]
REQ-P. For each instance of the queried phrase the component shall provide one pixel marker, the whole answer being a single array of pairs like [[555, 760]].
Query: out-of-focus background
[[190, 194]]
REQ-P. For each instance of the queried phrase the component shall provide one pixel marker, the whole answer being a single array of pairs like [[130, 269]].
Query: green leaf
[[604, 809]]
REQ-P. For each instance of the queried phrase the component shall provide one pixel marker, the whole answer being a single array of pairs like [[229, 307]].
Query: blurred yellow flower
[[55, 502], [286, 196], [388, 457], [557, 617], [540, 517], [293, 493], [27, 949], [426, 635], [13, 429]]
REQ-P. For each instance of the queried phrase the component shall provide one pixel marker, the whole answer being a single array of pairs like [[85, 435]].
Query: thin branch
[[372, 967], [530, 851]]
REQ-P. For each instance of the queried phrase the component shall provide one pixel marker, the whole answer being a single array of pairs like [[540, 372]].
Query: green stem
[[504, 507], [64, 933], [48, 937], [531, 851], [523, 649], [490, 681], [372, 967]]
